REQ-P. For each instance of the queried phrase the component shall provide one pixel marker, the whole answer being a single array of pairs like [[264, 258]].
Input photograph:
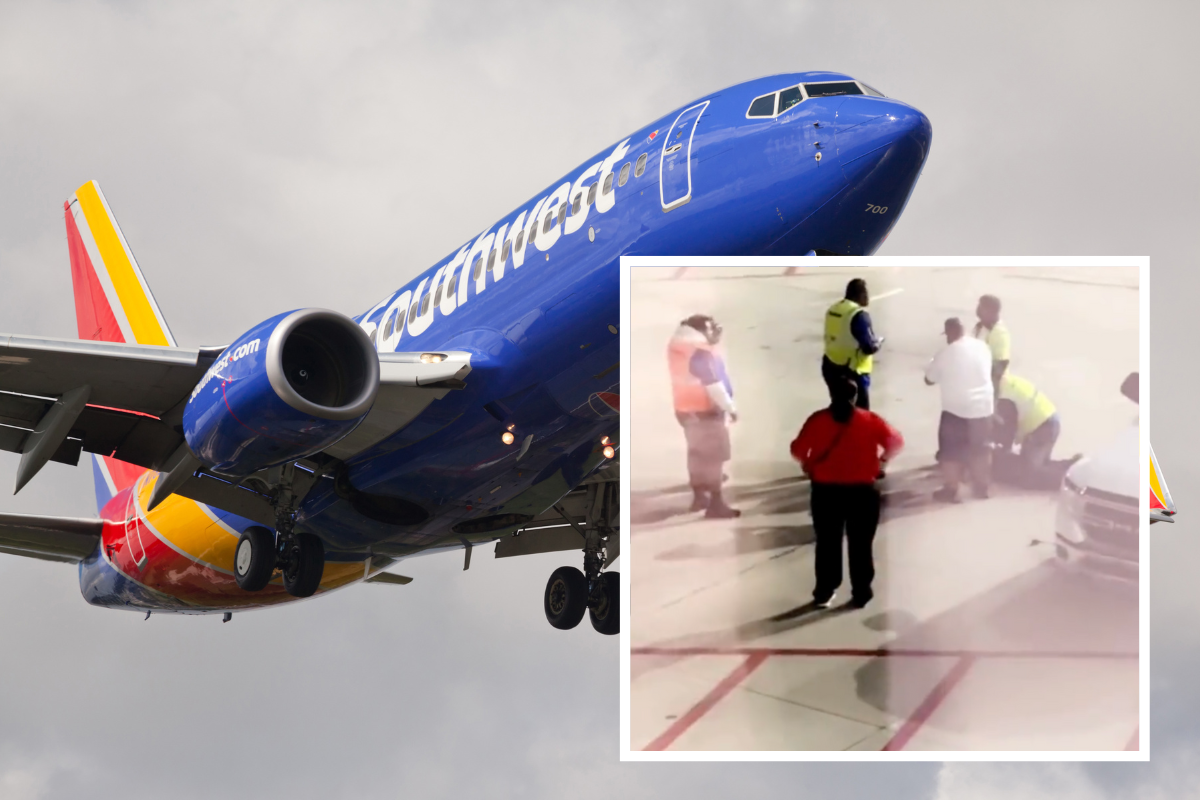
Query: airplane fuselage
[[534, 299]]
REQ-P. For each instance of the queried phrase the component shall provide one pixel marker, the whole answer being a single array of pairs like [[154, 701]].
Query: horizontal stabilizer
[[389, 577], [49, 538]]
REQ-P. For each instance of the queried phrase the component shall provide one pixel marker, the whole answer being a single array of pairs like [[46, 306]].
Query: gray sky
[[268, 156]]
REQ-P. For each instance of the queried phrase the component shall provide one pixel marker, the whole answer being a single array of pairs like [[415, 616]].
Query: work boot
[[719, 509], [699, 500], [946, 495]]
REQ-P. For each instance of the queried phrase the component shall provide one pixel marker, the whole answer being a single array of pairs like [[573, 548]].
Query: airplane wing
[[1162, 508], [59, 397], [390, 577], [49, 538]]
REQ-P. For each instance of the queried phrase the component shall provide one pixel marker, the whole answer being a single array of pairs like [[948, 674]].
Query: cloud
[[1172, 774]]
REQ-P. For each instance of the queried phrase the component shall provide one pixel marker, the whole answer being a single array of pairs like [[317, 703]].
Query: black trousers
[[831, 372], [852, 511]]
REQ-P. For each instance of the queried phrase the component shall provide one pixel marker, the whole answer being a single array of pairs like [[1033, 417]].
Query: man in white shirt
[[963, 371]]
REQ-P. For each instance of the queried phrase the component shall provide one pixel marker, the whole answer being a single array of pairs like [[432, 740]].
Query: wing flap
[[63, 539]]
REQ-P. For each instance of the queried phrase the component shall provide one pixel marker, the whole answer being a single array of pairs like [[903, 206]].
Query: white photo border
[[1142, 263]]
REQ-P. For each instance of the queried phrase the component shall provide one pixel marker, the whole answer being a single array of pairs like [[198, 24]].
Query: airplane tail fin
[[113, 302], [1162, 508]]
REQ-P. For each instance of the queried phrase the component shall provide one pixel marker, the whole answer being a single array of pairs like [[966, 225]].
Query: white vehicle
[[1100, 507]]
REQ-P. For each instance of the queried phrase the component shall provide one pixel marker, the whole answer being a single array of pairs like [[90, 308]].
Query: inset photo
[[885, 508]]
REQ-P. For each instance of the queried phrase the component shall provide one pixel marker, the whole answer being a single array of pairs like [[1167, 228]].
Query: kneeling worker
[[850, 341], [1026, 418], [842, 449], [703, 405]]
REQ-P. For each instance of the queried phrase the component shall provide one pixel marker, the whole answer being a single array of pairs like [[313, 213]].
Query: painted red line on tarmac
[[1133, 743], [868, 653], [679, 273], [730, 682], [930, 704], [791, 271]]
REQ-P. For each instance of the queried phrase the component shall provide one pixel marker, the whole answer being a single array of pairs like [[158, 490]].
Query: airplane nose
[[871, 133]]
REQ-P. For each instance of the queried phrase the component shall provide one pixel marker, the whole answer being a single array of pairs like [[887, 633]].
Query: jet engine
[[288, 388]]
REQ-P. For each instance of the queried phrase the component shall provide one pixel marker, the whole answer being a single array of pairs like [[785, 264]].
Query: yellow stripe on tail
[[120, 277]]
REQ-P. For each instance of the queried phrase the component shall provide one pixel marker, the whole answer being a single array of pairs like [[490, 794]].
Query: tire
[[303, 576], [565, 598], [254, 558], [606, 613]]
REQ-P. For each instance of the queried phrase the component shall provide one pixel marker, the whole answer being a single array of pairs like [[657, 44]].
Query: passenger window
[[608, 184], [562, 213], [425, 305], [476, 267], [546, 224], [624, 175], [762, 107], [390, 326], [437, 296], [578, 202], [533, 231], [453, 284], [412, 312], [592, 193], [640, 167], [491, 260], [507, 249], [831, 89], [521, 238], [789, 98]]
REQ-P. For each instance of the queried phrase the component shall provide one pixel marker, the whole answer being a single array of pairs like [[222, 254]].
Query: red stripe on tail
[[93, 314]]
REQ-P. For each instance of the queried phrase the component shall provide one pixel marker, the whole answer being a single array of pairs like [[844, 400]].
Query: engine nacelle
[[288, 388]]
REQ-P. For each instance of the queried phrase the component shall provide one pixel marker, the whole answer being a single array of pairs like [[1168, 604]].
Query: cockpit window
[[831, 89], [870, 91], [789, 98], [762, 107]]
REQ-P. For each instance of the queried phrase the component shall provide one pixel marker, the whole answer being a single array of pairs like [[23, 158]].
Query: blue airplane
[[479, 403]]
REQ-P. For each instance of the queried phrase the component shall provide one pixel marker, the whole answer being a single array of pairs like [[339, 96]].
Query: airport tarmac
[[976, 640]]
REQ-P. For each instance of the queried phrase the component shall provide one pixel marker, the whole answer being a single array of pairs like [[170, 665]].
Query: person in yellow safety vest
[[703, 398], [850, 342], [994, 333], [1027, 418]]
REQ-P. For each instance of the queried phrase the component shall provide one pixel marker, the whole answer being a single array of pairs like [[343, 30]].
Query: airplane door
[[133, 536], [675, 165]]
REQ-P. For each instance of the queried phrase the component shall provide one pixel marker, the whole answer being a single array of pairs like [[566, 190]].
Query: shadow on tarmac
[[904, 493]]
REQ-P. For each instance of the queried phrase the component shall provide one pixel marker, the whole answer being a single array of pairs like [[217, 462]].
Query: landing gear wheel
[[566, 598], [605, 610], [305, 565], [254, 559]]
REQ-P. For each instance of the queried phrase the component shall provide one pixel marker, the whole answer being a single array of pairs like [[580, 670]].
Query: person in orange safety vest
[[703, 398]]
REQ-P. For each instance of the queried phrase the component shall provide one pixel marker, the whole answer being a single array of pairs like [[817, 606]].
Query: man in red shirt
[[842, 449]]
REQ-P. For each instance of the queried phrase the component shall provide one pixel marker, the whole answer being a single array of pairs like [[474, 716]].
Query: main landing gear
[[571, 592], [299, 556]]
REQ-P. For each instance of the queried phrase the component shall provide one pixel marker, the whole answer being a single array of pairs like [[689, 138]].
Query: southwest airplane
[[479, 403]]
